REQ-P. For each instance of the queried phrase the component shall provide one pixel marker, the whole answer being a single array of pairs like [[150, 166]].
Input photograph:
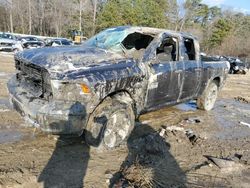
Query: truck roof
[[154, 31]]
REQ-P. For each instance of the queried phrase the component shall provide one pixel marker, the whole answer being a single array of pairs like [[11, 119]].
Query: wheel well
[[122, 93], [217, 81], [125, 92], [126, 96]]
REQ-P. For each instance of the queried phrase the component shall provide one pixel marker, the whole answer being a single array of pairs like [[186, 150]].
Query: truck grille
[[34, 79]]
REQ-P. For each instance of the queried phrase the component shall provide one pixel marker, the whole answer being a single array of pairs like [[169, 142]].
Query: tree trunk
[[30, 22], [22, 24], [182, 24], [11, 17], [80, 17], [94, 16], [40, 13]]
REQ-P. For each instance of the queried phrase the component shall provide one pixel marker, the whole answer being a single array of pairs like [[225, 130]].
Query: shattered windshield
[[109, 39]]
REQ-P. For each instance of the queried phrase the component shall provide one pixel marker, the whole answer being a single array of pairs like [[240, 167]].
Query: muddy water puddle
[[16, 133], [9, 132], [228, 114], [4, 75], [9, 136], [170, 115], [4, 104], [189, 106]]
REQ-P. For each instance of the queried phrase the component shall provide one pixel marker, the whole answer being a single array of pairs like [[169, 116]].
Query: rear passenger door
[[192, 69], [166, 74]]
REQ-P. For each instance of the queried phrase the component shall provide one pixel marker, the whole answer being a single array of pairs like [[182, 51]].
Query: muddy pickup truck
[[99, 88]]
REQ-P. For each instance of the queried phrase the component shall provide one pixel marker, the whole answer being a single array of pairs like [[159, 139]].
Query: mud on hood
[[68, 59]]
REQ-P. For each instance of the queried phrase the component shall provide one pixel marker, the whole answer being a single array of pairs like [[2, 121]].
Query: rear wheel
[[208, 98], [110, 124]]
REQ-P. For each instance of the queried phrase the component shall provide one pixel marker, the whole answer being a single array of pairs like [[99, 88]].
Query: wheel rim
[[211, 97], [117, 129]]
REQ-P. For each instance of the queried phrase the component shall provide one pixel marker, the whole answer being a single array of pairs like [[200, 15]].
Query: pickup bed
[[99, 88]]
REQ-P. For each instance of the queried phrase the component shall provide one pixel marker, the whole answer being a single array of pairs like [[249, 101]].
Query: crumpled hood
[[67, 59]]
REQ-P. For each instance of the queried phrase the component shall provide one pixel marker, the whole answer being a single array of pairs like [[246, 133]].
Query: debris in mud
[[244, 123], [9, 136], [162, 132], [225, 164], [237, 158], [193, 120], [175, 128], [200, 166], [220, 162], [108, 176], [242, 100], [192, 137]]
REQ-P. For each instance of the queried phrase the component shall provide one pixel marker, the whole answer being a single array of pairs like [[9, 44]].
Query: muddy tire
[[110, 124], [207, 100]]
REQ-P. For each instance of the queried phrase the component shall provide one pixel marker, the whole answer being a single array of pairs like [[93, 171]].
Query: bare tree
[[80, 16], [30, 21], [9, 7], [94, 2]]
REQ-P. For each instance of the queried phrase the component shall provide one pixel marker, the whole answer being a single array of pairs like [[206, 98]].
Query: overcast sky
[[238, 5]]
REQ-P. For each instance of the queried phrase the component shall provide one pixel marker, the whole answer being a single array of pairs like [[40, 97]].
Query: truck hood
[[68, 59]]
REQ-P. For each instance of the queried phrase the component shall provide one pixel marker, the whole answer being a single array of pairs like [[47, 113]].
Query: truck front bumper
[[56, 117]]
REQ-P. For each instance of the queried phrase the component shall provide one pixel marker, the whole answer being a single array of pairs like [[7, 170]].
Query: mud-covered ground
[[173, 147]]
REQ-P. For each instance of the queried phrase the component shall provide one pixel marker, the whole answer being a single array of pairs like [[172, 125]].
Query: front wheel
[[207, 100], [110, 124]]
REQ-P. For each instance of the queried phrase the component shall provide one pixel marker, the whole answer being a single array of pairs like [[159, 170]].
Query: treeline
[[220, 31], [45, 17]]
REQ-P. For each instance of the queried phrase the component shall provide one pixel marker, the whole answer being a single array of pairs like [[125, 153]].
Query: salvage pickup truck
[[99, 88]]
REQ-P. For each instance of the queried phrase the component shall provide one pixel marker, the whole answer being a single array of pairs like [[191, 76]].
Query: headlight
[[70, 91], [85, 89]]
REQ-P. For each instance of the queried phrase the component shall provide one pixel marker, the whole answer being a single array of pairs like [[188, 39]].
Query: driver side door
[[166, 74]]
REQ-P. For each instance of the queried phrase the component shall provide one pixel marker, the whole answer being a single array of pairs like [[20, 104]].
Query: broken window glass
[[107, 39], [136, 44], [167, 50], [189, 49], [137, 40]]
